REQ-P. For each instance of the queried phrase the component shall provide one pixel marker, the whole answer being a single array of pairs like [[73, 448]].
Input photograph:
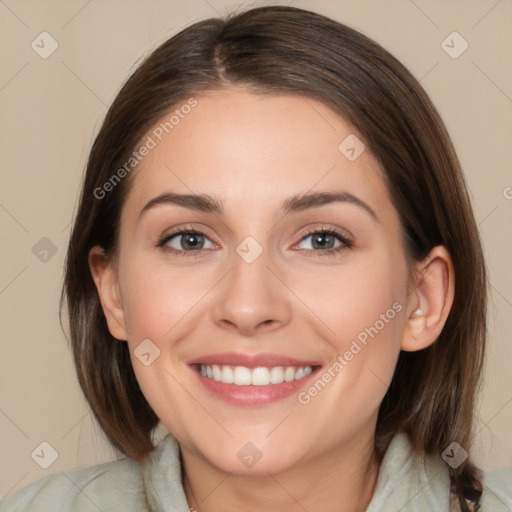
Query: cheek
[[370, 309], [350, 300], [162, 303], [156, 298], [362, 310], [158, 303]]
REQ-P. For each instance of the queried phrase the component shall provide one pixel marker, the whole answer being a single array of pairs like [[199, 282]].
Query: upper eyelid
[[182, 231]]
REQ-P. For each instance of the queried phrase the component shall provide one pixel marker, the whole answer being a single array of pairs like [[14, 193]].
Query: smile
[[250, 380], [260, 376]]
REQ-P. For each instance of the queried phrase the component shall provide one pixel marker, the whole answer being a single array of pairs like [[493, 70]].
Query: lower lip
[[253, 395]]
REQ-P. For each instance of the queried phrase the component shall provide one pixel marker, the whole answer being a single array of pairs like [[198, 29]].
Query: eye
[[324, 241], [183, 241], [191, 241]]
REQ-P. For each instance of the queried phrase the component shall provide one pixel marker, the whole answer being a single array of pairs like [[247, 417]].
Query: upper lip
[[251, 360]]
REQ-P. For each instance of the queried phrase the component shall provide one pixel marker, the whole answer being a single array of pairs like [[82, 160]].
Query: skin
[[253, 152]]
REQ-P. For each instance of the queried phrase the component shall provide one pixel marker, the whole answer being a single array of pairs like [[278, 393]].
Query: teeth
[[289, 374], [216, 372], [241, 376], [227, 376], [261, 376], [276, 375]]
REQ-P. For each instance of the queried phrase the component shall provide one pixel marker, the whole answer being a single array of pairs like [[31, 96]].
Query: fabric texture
[[407, 482]]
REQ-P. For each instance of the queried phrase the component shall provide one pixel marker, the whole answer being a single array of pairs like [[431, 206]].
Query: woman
[[275, 257]]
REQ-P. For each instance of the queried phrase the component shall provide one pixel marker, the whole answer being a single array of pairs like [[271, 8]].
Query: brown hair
[[274, 50]]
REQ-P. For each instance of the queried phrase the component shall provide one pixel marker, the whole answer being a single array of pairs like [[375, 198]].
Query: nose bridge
[[251, 295]]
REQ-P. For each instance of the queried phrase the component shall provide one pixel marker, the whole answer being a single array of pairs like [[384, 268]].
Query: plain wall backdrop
[[55, 89]]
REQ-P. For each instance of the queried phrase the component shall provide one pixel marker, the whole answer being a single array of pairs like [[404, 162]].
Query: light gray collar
[[406, 481]]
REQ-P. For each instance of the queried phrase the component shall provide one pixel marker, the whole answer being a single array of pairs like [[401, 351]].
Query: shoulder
[[411, 480], [497, 490], [115, 485]]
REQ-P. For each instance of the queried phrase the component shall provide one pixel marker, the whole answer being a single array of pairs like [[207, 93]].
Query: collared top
[[407, 482]]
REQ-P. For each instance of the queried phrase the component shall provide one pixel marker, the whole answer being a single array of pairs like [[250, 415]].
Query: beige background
[[52, 108]]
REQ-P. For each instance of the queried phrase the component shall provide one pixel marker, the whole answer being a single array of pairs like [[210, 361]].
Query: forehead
[[252, 149]]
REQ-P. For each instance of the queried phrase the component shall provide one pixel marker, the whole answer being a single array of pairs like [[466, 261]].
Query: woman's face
[[260, 286]]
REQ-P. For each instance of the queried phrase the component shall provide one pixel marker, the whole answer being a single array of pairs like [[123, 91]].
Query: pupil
[[187, 240], [323, 237]]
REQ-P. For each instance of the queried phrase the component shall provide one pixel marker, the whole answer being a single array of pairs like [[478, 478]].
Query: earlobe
[[106, 281], [431, 300]]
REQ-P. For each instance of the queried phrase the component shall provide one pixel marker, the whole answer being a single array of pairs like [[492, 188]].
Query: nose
[[252, 298]]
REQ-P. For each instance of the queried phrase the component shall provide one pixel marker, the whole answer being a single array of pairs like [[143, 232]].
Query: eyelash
[[346, 244]]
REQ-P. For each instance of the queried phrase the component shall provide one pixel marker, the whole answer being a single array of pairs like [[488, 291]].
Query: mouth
[[251, 380], [260, 376]]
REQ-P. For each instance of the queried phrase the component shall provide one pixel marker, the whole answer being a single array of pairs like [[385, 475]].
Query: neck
[[342, 480]]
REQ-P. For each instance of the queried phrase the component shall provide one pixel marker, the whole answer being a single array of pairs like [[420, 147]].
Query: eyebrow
[[297, 203]]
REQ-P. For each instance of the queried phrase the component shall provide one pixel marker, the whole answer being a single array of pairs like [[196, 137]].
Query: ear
[[433, 293], [105, 277]]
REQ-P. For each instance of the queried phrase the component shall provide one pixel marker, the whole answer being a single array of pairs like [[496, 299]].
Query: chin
[[250, 465], [254, 454]]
